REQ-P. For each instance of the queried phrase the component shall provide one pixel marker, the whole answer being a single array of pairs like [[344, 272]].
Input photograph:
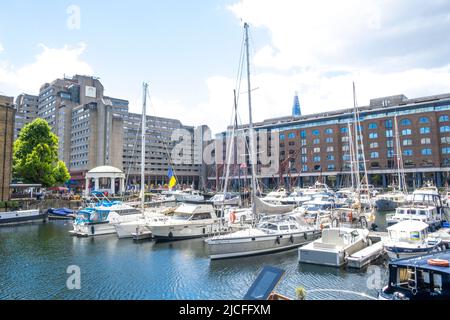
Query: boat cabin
[[194, 212], [408, 231], [423, 277]]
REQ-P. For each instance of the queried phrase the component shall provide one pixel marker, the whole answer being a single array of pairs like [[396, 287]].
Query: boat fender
[[305, 235], [291, 238], [233, 217], [170, 234], [92, 230], [277, 240]]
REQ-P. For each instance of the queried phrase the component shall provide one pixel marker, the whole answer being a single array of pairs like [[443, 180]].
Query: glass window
[[406, 132], [389, 134], [425, 130], [316, 132], [390, 143], [405, 122], [407, 142], [316, 150], [390, 153], [373, 135], [329, 140], [304, 167], [282, 137], [316, 159], [345, 139], [331, 167], [329, 131], [316, 141], [330, 149], [388, 124], [303, 142], [303, 134], [344, 130], [330, 157], [443, 118], [424, 120], [425, 141], [446, 150], [374, 155], [426, 152], [291, 135], [345, 148], [304, 159], [407, 152], [372, 125], [373, 145], [304, 151], [444, 129], [317, 168], [445, 140]]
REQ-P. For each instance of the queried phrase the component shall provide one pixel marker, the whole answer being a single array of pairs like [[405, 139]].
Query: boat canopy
[[408, 225]]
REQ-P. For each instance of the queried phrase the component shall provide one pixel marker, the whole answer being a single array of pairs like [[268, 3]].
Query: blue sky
[[189, 51]]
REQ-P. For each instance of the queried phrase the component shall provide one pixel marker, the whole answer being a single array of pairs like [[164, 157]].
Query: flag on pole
[[172, 179]]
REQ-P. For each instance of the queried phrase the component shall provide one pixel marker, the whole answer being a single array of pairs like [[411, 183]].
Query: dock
[[365, 256]]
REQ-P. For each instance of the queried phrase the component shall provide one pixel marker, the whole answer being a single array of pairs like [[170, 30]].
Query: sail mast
[[250, 125], [143, 131]]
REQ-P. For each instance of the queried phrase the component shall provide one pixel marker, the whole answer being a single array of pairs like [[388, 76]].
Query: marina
[[154, 270]]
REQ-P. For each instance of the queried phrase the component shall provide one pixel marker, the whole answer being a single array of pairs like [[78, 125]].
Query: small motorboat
[[61, 213]]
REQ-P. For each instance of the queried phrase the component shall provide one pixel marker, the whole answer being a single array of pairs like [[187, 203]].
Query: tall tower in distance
[[296, 112]]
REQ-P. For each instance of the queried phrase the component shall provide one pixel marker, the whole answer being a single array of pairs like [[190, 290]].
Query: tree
[[35, 156]]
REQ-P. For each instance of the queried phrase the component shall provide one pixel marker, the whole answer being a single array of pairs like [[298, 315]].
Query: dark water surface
[[34, 259]]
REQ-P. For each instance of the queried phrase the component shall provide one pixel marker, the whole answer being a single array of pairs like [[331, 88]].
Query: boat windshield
[[181, 216]]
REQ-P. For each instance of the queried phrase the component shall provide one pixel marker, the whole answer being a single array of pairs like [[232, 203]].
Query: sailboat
[[126, 229], [274, 233], [360, 213]]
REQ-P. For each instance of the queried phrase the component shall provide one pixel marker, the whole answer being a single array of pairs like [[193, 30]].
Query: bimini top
[[422, 261], [408, 225], [105, 169]]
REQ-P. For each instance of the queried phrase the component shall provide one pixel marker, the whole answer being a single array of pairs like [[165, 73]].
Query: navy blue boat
[[420, 278], [61, 213]]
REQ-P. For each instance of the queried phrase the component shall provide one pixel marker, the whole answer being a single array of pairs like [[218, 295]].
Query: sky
[[189, 52]]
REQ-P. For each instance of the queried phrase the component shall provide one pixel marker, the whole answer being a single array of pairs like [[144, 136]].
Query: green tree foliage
[[35, 156]]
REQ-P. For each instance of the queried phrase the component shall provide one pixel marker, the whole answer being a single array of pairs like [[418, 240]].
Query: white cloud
[[49, 64], [319, 48]]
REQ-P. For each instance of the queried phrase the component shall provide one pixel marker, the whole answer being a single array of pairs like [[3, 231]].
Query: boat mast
[[250, 125], [143, 131], [355, 121]]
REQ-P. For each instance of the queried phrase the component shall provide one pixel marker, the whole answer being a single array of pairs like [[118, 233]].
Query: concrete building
[[87, 123], [317, 145], [7, 114], [26, 111], [159, 147]]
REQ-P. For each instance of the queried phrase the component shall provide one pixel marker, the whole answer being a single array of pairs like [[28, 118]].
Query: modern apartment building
[[7, 114], [317, 145]]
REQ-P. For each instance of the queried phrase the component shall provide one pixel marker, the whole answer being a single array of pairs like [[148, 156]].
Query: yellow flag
[[172, 182]]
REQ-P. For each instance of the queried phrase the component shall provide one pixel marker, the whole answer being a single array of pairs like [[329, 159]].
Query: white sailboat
[[273, 234]]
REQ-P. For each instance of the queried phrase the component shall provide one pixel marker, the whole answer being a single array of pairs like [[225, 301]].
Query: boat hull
[[182, 232], [126, 230], [93, 229], [395, 252], [248, 246], [335, 257], [21, 217]]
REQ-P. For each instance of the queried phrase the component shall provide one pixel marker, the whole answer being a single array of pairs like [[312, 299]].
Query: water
[[34, 260]]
